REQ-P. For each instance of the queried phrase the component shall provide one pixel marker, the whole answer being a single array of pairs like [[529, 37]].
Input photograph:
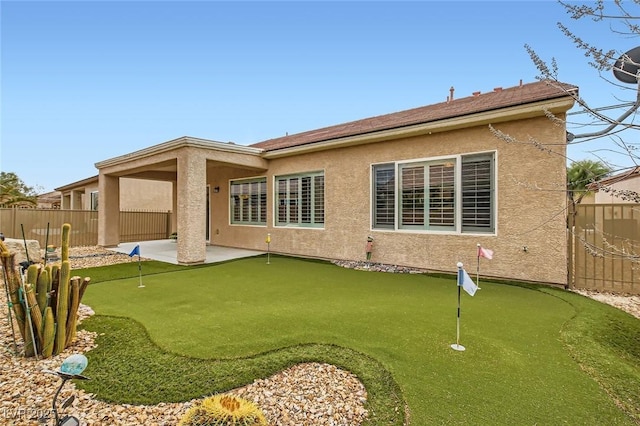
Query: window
[[94, 200], [300, 200], [384, 191], [477, 194], [249, 202], [452, 194]]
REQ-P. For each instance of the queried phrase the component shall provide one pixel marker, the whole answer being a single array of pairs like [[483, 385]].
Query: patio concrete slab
[[167, 251]]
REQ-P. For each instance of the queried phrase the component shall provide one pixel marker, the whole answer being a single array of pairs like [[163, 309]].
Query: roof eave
[[535, 109], [179, 143], [78, 184]]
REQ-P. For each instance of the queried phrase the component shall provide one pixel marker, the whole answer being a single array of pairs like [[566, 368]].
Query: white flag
[[466, 282]]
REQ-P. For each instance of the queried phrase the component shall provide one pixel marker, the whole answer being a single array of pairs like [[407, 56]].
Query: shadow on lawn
[[128, 368]]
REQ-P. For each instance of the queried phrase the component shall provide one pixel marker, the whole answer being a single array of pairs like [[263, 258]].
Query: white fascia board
[[179, 143], [495, 116]]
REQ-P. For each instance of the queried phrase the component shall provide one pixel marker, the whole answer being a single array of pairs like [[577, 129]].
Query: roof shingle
[[499, 98]]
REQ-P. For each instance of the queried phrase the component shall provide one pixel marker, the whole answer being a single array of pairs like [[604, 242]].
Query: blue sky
[[85, 81]]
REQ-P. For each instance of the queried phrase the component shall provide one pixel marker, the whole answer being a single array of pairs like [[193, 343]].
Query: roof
[[633, 172], [497, 99], [81, 183]]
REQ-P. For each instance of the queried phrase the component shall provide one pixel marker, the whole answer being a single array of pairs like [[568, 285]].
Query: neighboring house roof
[[499, 98], [49, 200], [49, 197], [620, 177], [79, 184], [620, 188]]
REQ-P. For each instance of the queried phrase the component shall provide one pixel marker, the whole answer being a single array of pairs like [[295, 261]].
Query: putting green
[[515, 370]]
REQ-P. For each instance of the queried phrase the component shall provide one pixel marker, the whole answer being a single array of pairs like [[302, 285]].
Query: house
[[427, 184], [49, 200], [621, 188], [135, 194]]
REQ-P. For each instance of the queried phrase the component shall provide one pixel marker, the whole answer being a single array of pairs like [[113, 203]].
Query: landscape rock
[[17, 246]]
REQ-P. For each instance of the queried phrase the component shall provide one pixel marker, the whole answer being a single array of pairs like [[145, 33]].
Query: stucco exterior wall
[[632, 184], [141, 194], [135, 194], [530, 205]]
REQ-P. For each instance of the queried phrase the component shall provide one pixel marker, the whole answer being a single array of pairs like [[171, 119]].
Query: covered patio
[[167, 251], [199, 170]]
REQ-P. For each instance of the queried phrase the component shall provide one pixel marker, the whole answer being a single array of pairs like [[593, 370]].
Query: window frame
[[301, 209], [93, 200], [260, 196], [486, 194]]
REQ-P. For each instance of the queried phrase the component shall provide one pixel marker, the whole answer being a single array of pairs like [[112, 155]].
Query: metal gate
[[606, 248]]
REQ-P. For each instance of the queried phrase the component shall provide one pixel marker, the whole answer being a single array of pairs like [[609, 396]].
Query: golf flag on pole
[[136, 252], [465, 281], [487, 254], [457, 346], [484, 252]]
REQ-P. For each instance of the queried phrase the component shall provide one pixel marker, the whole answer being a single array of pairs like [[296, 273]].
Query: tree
[[14, 192], [621, 70], [582, 173], [623, 19]]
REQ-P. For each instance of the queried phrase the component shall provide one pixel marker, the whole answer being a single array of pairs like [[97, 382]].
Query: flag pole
[[478, 266], [136, 251], [457, 346], [268, 241], [140, 271]]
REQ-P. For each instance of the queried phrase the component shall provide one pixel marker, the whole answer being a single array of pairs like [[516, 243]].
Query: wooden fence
[[606, 248], [134, 225]]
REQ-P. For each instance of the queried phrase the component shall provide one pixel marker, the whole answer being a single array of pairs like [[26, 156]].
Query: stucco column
[[174, 207], [192, 181], [108, 210], [76, 200]]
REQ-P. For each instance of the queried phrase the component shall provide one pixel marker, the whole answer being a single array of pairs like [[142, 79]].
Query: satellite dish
[[626, 68]]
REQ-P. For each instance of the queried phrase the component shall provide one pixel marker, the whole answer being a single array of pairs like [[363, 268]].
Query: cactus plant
[[223, 410], [74, 303], [62, 307], [13, 278], [43, 288], [55, 279], [32, 274], [64, 248], [48, 334], [46, 303], [34, 310]]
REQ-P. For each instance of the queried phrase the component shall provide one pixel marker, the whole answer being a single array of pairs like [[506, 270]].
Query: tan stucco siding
[[141, 194], [530, 205], [135, 194], [192, 181], [629, 186]]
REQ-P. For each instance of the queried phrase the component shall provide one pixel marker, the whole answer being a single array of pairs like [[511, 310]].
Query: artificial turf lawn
[[519, 368]]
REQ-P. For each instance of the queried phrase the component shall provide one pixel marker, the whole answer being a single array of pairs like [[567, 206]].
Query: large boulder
[[17, 246]]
